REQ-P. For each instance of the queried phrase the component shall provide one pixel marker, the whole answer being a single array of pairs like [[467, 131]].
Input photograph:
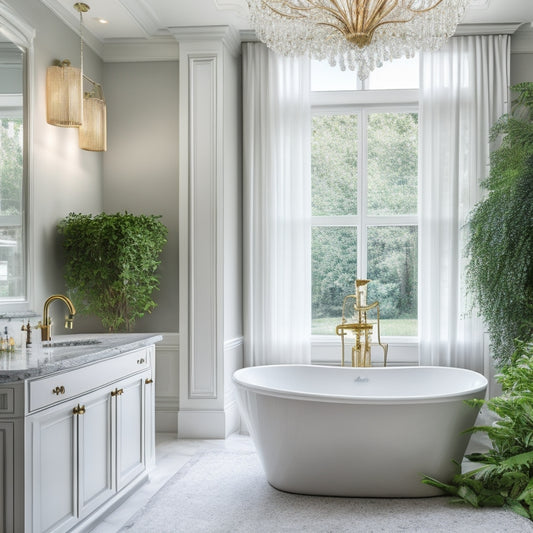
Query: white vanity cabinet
[[87, 442]]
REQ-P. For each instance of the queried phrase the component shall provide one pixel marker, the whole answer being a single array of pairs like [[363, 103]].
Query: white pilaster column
[[209, 233]]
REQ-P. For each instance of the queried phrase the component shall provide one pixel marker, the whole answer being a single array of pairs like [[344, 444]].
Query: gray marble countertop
[[68, 351]]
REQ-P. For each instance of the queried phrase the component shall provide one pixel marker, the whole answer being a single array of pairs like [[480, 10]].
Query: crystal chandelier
[[356, 34]]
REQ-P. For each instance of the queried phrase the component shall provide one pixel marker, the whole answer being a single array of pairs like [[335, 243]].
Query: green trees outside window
[[364, 205]]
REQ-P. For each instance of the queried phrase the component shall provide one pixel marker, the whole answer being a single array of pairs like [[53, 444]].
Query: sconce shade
[[93, 131], [64, 96]]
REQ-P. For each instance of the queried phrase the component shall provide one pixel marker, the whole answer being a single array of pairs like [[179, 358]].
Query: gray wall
[[521, 68], [141, 164]]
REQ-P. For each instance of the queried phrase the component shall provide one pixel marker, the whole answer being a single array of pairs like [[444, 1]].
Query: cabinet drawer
[[61, 386]]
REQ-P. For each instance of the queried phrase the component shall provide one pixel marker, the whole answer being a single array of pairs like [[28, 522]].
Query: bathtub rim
[[368, 400]]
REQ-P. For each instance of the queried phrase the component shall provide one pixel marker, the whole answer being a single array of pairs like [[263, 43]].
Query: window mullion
[[362, 192]]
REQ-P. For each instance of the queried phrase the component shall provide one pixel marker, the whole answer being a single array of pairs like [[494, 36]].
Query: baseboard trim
[[166, 421], [193, 424]]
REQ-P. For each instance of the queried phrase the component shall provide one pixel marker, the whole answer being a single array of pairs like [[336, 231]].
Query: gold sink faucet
[[46, 325]]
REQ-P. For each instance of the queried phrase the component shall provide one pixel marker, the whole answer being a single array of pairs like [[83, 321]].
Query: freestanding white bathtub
[[368, 432]]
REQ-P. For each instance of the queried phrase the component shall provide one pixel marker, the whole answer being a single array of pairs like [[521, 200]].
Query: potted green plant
[[500, 239], [503, 476], [111, 263]]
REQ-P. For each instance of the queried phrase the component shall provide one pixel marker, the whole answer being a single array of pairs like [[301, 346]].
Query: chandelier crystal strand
[[355, 34]]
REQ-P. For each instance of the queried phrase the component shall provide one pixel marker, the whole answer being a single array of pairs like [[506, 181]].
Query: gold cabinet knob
[[59, 390], [79, 410], [117, 392], [147, 381]]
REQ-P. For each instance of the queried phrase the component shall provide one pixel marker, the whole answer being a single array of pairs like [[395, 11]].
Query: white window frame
[[326, 349]]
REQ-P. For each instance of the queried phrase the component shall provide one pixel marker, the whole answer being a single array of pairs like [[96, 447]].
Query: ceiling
[[146, 19]]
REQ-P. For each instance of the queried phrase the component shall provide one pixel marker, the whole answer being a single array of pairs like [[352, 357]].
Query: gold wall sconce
[[68, 106]]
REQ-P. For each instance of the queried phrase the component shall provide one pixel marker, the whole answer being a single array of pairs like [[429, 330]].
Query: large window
[[365, 196]]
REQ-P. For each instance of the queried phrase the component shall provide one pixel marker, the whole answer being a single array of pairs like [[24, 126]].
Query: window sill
[[326, 350]]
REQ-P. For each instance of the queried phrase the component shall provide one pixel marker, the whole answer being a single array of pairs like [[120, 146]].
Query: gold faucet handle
[[69, 321], [45, 330]]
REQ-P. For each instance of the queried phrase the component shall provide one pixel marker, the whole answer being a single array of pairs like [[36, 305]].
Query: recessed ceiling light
[[101, 21]]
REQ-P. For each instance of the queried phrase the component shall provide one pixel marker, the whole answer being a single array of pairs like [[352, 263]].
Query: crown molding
[[137, 50], [487, 29], [228, 35], [14, 27], [144, 15], [248, 36]]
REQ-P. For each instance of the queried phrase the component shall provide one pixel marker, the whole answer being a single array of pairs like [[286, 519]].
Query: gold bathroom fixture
[[93, 131], [79, 410], [64, 95], [68, 106], [357, 34], [46, 324], [360, 326], [27, 329]]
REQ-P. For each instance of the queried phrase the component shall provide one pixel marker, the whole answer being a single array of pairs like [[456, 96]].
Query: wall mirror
[[16, 40]]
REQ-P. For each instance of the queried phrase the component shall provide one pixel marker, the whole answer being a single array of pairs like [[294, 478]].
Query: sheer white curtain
[[276, 200], [464, 89]]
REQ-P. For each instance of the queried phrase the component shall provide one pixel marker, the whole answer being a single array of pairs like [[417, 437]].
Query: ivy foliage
[[500, 242], [505, 477], [111, 263]]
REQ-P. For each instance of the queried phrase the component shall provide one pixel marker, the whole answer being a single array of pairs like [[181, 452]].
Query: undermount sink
[[70, 343]]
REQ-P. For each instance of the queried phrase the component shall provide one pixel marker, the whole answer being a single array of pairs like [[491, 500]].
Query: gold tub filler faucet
[[360, 326], [46, 324]]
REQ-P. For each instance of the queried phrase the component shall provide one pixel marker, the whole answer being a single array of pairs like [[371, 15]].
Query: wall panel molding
[[203, 258]]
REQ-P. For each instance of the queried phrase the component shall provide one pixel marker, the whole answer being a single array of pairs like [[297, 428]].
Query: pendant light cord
[[81, 43]]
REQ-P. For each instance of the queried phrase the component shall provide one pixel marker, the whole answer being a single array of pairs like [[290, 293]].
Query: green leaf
[[468, 495], [518, 508]]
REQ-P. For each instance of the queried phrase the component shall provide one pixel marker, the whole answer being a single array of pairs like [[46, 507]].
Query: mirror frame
[[19, 32]]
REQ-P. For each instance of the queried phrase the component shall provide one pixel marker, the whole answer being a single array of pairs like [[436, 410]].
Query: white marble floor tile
[[171, 455]]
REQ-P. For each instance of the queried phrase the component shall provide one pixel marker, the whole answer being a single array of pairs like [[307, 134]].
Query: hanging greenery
[[505, 475], [500, 245], [111, 263]]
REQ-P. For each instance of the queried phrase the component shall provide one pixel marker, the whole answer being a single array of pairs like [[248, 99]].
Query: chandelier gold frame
[[357, 20], [355, 34]]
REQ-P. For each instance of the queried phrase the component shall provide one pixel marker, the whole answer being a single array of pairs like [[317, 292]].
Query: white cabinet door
[[71, 461], [53, 468], [95, 447], [130, 429], [6, 474]]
